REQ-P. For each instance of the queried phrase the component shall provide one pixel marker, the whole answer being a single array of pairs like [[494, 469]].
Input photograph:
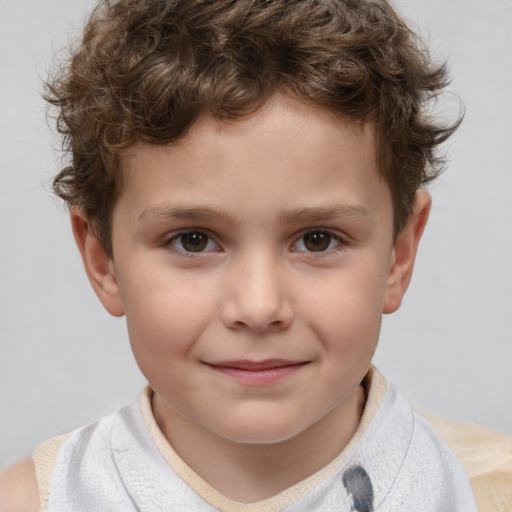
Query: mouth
[[257, 372]]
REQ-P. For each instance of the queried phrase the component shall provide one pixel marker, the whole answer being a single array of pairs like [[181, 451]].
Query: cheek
[[346, 311], [165, 315], [350, 332]]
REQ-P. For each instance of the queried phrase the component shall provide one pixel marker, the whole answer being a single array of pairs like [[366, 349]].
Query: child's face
[[252, 262]]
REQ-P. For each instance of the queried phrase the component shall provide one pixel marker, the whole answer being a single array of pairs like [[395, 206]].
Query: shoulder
[[18, 488], [485, 455], [480, 450]]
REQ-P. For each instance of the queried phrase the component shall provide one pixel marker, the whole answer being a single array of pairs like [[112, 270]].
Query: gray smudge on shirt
[[359, 486]]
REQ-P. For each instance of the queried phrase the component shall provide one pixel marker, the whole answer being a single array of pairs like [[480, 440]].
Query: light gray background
[[64, 361]]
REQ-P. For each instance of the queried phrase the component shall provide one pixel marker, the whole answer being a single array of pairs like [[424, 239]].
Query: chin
[[260, 431]]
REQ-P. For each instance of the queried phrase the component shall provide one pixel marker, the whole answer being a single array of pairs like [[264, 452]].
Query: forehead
[[288, 153]]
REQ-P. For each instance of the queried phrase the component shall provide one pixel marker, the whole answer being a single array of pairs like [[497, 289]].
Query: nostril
[[258, 322]]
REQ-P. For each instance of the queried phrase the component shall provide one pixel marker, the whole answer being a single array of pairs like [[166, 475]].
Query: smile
[[257, 372]]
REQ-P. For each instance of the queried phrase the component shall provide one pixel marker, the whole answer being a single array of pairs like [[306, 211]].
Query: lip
[[264, 372]]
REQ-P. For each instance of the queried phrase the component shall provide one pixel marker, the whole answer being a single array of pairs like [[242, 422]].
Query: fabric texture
[[123, 463]]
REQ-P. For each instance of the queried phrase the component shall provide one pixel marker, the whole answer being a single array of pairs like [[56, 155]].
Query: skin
[[18, 488], [256, 339]]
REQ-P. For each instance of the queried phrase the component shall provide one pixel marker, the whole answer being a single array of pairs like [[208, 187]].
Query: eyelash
[[333, 237]]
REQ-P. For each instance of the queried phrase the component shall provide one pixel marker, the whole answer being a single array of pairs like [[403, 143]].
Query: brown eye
[[317, 241], [192, 241]]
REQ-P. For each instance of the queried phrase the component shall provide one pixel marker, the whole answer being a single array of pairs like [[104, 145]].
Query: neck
[[250, 473]]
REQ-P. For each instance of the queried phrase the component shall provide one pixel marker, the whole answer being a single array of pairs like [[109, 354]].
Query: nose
[[258, 298]]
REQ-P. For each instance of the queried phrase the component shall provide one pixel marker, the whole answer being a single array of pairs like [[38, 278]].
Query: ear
[[99, 266], [404, 252]]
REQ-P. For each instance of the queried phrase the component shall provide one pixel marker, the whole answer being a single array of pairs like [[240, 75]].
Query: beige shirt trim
[[44, 457], [375, 386]]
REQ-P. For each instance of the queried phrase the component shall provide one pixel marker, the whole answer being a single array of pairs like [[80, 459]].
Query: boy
[[245, 188]]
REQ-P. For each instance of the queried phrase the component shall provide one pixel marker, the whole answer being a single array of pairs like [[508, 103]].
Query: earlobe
[[98, 265], [404, 253]]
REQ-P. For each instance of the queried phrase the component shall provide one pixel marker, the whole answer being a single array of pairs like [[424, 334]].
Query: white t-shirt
[[122, 463]]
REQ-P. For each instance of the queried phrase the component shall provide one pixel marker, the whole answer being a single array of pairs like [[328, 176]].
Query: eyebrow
[[313, 214], [324, 213], [182, 213]]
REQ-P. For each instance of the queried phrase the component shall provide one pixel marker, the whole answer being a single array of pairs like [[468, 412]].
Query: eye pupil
[[194, 241], [317, 241]]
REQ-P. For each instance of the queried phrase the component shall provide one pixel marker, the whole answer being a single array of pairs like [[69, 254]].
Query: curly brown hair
[[146, 69]]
